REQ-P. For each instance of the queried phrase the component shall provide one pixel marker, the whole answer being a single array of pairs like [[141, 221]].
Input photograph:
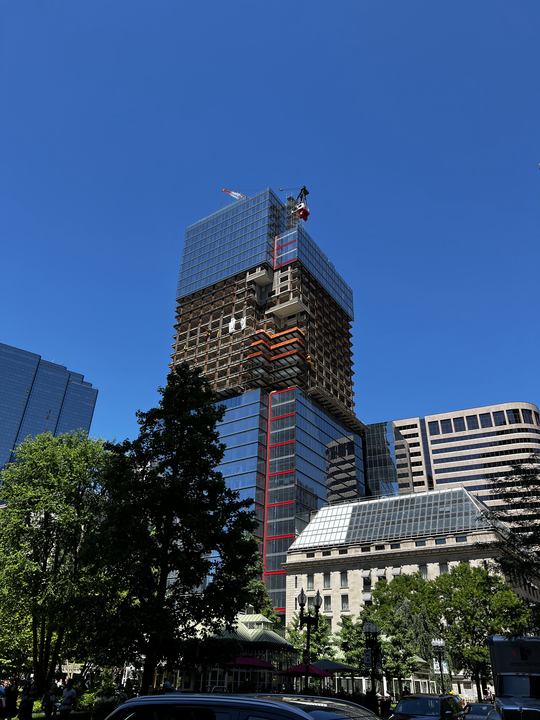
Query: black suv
[[429, 707]]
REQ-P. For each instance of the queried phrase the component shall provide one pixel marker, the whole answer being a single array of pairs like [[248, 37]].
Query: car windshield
[[519, 686], [476, 709], [321, 708], [419, 706]]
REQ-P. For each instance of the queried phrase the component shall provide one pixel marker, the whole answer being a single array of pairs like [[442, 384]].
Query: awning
[[300, 671], [245, 661]]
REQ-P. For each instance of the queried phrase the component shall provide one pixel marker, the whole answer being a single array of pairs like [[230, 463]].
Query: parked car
[[477, 711], [177, 706], [321, 708], [430, 707]]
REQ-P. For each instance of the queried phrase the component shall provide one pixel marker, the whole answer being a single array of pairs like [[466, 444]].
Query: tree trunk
[[478, 688], [150, 663]]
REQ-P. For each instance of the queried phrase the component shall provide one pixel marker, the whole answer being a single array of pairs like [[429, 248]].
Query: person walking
[[68, 699], [49, 701]]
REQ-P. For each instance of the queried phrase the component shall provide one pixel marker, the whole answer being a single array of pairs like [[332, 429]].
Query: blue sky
[[415, 125]]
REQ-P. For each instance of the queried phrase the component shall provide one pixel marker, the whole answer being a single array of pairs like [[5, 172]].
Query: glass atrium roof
[[434, 513]]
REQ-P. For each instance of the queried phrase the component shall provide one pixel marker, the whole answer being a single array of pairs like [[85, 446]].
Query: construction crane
[[299, 204], [235, 195]]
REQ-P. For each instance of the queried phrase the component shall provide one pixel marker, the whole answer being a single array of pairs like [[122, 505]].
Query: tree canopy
[[48, 571], [181, 539]]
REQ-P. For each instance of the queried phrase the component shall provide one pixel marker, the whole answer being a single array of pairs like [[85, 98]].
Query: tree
[[519, 549], [351, 640], [48, 574], [261, 601], [321, 640], [473, 603], [405, 602], [180, 538]]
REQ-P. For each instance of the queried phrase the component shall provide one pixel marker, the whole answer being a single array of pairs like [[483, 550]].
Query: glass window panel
[[459, 424], [472, 422], [434, 428], [485, 420], [446, 426], [498, 417]]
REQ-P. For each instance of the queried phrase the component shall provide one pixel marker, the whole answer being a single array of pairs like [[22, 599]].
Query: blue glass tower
[[266, 316], [37, 396]]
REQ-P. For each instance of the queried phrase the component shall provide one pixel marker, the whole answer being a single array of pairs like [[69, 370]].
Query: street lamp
[[371, 631], [438, 648], [309, 621]]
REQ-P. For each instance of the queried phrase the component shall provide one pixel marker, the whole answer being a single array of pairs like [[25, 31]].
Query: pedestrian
[[49, 701], [26, 705], [68, 699], [11, 700]]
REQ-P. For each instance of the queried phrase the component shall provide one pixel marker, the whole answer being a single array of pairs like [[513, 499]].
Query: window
[[527, 416], [485, 420], [366, 548], [295, 582], [472, 422], [462, 538], [423, 571], [434, 428], [395, 546], [443, 568], [499, 418], [310, 555], [379, 547], [311, 602], [419, 543], [327, 603], [343, 578], [459, 424], [440, 541], [326, 553], [344, 602], [446, 426], [366, 583], [310, 582], [513, 416], [343, 551], [326, 584], [296, 603]]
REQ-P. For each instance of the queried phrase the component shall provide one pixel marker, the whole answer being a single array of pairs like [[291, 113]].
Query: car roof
[[209, 699], [315, 700]]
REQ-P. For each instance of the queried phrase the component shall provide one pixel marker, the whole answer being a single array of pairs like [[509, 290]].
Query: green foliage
[[321, 643], [171, 525], [463, 606], [351, 640], [260, 600], [473, 603], [519, 550], [53, 499]]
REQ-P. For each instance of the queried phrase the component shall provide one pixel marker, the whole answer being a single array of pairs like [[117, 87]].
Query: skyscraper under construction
[[266, 316]]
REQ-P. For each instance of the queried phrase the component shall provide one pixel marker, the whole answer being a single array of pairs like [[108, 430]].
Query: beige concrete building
[[470, 448], [346, 549]]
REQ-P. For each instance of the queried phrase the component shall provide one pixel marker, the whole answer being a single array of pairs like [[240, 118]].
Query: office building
[[346, 549], [266, 316], [470, 448], [38, 396]]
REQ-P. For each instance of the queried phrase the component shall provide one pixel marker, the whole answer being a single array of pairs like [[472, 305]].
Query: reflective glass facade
[[242, 235], [386, 454], [420, 515], [37, 396], [311, 458]]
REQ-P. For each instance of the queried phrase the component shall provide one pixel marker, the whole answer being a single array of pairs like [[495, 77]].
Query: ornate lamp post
[[371, 631], [309, 621], [438, 648]]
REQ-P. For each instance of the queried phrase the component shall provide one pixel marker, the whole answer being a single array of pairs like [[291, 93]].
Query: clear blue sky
[[415, 124]]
